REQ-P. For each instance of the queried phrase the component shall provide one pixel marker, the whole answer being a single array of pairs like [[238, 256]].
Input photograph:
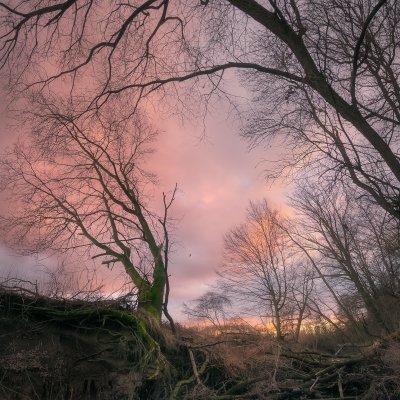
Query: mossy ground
[[58, 349], [76, 350]]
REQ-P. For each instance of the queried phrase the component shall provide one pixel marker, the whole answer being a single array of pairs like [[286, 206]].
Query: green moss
[[151, 297], [135, 334]]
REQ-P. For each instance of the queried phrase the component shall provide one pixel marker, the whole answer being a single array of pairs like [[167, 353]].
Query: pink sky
[[216, 176]]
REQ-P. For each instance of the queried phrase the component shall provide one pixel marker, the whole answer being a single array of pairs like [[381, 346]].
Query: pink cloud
[[217, 177]]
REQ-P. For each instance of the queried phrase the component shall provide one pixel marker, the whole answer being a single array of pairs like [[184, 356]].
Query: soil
[[102, 350]]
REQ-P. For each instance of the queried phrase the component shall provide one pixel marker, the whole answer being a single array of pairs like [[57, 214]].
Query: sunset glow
[[217, 177]]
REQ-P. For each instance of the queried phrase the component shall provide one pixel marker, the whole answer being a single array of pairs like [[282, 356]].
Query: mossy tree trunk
[[150, 293]]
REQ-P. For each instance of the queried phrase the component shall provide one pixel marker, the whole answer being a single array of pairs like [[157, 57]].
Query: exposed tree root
[[52, 349], [82, 349], [196, 374]]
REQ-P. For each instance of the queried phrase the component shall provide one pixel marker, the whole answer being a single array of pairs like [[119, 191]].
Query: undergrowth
[[78, 350]]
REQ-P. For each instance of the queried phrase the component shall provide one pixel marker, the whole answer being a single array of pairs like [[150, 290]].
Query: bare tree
[[259, 270], [302, 288], [324, 74], [83, 187], [344, 238], [339, 118], [210, 307]]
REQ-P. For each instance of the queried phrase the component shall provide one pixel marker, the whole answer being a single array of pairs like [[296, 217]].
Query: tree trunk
[[278, 324], [151, 296], [298, 325]]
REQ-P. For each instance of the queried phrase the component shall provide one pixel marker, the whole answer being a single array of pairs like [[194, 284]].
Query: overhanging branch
[[156, 83]]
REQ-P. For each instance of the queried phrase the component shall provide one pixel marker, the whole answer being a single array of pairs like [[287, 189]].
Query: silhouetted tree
[[210, 307], [344, 235], [324, 74], [83, 186], [260, 271]]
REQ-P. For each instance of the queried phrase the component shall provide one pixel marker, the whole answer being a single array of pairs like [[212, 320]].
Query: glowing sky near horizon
[[216, 177]]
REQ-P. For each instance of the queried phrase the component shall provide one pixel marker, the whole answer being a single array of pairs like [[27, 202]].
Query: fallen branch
[[188, 381], [194, 366]]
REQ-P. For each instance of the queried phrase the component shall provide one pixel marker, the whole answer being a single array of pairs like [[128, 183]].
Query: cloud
[[216, 176]]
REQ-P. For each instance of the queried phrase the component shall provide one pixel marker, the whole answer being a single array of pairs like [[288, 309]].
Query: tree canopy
[[324, 75]]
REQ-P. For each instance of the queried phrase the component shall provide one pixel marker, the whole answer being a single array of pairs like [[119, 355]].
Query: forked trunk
[[151, 296]]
